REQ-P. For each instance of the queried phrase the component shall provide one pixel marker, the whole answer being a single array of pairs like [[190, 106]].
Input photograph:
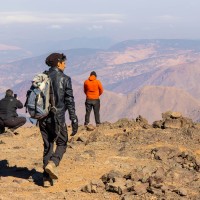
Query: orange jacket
[[93, 88]]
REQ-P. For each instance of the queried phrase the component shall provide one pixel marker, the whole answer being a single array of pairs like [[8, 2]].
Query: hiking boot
[[52, 170], [47, 182]]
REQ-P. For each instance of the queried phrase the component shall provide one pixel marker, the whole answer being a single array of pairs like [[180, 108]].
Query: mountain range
[[140, 77]]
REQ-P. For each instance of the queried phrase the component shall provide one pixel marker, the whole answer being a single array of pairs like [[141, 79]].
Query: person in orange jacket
[[93, 89]]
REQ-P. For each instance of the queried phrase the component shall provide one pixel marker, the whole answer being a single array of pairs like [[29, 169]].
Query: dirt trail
[[121, 146]]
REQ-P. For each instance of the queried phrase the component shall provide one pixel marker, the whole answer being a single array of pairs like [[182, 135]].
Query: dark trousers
[[12, 123], [95, 105], [49, 130], [2, 128]]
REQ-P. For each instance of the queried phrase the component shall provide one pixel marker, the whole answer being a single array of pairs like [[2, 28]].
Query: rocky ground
[[126, 160]]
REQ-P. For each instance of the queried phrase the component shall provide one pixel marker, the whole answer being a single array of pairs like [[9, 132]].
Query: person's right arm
[[70, 106], [19, 104], [69, 99], [100, 88]]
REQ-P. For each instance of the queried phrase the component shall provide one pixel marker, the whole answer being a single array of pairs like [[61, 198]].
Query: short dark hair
[[93, 73], [9, 93], [53, 59]]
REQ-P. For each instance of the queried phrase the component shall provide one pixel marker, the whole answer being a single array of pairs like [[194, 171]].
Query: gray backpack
[[38, 97]]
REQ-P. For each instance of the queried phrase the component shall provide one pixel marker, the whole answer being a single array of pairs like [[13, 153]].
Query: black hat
[[53, 59], [93, 73]]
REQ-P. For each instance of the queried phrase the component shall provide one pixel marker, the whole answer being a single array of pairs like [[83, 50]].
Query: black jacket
[[8, 107], [63, 94]]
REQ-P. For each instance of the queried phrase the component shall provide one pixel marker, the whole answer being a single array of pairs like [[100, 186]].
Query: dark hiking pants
[[14, 122], [95, 105], [49, 131], [2, 128]]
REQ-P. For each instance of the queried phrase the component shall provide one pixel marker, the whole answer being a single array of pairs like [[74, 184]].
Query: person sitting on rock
[[8, 112]]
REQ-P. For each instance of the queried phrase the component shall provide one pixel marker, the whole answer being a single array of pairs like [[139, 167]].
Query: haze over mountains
[[144, 77], [25, 48]]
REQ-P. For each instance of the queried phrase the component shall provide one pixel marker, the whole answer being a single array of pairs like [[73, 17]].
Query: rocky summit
[[125, 160]]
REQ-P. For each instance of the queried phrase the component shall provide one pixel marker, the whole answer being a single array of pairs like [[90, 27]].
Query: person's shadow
[[20, 172]]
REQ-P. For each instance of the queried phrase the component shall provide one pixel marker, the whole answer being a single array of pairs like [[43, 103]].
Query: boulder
[[172, 123], [143, 122], [166, 115], [158, 124], [140, 188], [90, 127], [176, 115]]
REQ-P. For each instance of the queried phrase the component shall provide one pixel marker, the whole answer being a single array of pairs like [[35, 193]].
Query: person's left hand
[[74, 126]]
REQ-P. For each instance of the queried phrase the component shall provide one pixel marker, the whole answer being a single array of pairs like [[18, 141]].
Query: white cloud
[[112, 21], [95, 27], [167, 18], [55, 27], [42, 18], [4, 47]]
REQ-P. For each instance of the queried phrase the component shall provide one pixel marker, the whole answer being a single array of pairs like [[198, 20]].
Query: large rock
[[176, 115], [140, 188], [158, 124], [172, 123], [173, 120], [143, 122], [166, 115]]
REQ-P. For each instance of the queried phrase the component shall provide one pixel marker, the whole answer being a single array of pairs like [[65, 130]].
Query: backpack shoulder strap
[[52, 98]]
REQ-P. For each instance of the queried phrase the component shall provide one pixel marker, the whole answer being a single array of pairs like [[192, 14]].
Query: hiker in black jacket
[[8, 112], [53, 127]]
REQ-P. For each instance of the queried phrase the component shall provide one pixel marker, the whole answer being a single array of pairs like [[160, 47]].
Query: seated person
[[8, 112]]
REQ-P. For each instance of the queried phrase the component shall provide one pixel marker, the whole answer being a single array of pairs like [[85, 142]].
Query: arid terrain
[[125, 160]]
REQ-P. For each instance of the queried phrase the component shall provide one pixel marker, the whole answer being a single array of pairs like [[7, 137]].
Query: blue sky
[[116, 19]]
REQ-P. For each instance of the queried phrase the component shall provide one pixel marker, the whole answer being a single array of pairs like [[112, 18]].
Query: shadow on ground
[[20, 172]]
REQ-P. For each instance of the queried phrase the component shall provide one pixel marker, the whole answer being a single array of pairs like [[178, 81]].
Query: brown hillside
[[116, 161], [149, 102]]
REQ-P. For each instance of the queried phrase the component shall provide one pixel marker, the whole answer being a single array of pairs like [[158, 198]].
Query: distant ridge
[[144, 77], [161, 43]]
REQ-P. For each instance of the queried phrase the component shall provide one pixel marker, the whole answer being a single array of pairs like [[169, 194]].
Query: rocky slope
[[125, 160], [149, 101]]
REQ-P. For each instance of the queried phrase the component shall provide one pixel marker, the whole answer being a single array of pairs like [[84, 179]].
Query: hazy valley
[[145, 77]]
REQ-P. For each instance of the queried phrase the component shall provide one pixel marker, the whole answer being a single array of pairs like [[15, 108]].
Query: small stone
[[82, 139], [93, 188], [129, 184], [90, 127], [181, 191], [87, 189], [128, 197], [2, 142], [176, 115], [166, 115], [141, 189]]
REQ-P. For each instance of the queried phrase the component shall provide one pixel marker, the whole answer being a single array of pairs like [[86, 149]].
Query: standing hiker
[[93, 89], [53, 127], [8, 112]]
